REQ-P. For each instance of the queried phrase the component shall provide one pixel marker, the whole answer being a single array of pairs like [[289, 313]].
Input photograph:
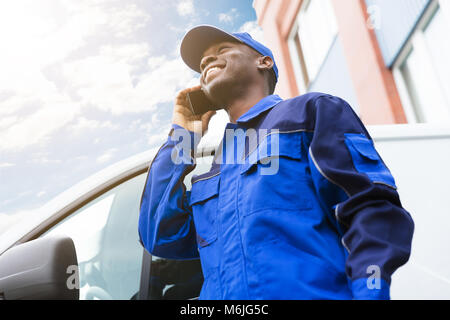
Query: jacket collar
[[264, 104]]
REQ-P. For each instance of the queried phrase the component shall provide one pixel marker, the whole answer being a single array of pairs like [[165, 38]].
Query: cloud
[[157, 139], [119, 78], [7, 220], [223, 17], [42, 37], [105, 157], [185, 8], [40, 194], [229, 16], [117, 18], [39, 125], [82, 124], [45, 160], [6, 164], [108, 81], [7, 121], [48, 36], [254, 30], [17, 196]]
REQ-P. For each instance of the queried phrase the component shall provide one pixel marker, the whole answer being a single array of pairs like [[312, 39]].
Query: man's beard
[[224, 92]]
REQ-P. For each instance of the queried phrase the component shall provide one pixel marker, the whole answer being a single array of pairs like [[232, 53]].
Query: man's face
[[226, 65]]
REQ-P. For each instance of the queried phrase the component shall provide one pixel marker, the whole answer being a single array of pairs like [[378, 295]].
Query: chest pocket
[[274, 176], [204, 203]]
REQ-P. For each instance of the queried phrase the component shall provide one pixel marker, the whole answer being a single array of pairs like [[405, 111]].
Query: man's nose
[[206, 60]]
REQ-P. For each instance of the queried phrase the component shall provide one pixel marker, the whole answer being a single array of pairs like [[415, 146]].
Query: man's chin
[[219, 91]]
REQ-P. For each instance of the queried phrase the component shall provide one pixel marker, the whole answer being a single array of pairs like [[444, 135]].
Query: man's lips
[[212, 70]]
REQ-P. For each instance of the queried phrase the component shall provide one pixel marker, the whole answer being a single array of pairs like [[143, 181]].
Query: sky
[[87, 83]]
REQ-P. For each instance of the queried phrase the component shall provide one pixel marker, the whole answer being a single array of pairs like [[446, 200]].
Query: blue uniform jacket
[[303, 209]]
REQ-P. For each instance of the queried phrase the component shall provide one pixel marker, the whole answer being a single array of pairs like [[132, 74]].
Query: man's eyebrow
[[219, 45], [216, 47], [227, 43]]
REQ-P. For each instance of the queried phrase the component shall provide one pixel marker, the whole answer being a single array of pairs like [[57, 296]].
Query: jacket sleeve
[[360, 195], [166, 227]]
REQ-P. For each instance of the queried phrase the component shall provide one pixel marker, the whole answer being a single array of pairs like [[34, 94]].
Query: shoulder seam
[[324, 175]]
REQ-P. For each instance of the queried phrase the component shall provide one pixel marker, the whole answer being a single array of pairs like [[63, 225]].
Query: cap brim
[[198, 39]]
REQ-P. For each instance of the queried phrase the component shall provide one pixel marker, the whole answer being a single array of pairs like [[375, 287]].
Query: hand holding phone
[[199, 102], [185, 116]]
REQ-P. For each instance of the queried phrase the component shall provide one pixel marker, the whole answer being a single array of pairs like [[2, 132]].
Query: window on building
[[422, 71], [311, 38]]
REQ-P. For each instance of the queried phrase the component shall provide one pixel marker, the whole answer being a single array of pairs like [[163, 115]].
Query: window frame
[[88, 197], [296, 50], [297, 59], [414, 113]]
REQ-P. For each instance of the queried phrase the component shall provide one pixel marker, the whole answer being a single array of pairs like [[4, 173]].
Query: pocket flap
[[363, 145], [273, 146], [367, 160], [204, 187], [202, 242]]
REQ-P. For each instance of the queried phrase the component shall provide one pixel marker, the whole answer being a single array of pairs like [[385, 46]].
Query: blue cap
[[200, 38]]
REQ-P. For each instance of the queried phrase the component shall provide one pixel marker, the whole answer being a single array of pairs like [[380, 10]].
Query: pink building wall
[[374, 83]]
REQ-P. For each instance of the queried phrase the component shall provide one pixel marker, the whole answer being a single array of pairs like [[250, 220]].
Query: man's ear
[[264, 62]]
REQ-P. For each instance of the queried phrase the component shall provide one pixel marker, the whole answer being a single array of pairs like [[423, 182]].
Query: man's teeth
[[212, 69]]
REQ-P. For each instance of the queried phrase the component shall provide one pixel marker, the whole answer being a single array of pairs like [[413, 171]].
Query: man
[[325, 223]]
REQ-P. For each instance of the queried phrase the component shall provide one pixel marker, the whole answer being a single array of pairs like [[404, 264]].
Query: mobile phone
[[199, 102]]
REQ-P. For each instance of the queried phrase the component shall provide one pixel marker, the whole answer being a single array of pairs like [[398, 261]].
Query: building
[[388, 59]]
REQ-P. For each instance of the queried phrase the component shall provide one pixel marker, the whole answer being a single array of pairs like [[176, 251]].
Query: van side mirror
[[45, 268]]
